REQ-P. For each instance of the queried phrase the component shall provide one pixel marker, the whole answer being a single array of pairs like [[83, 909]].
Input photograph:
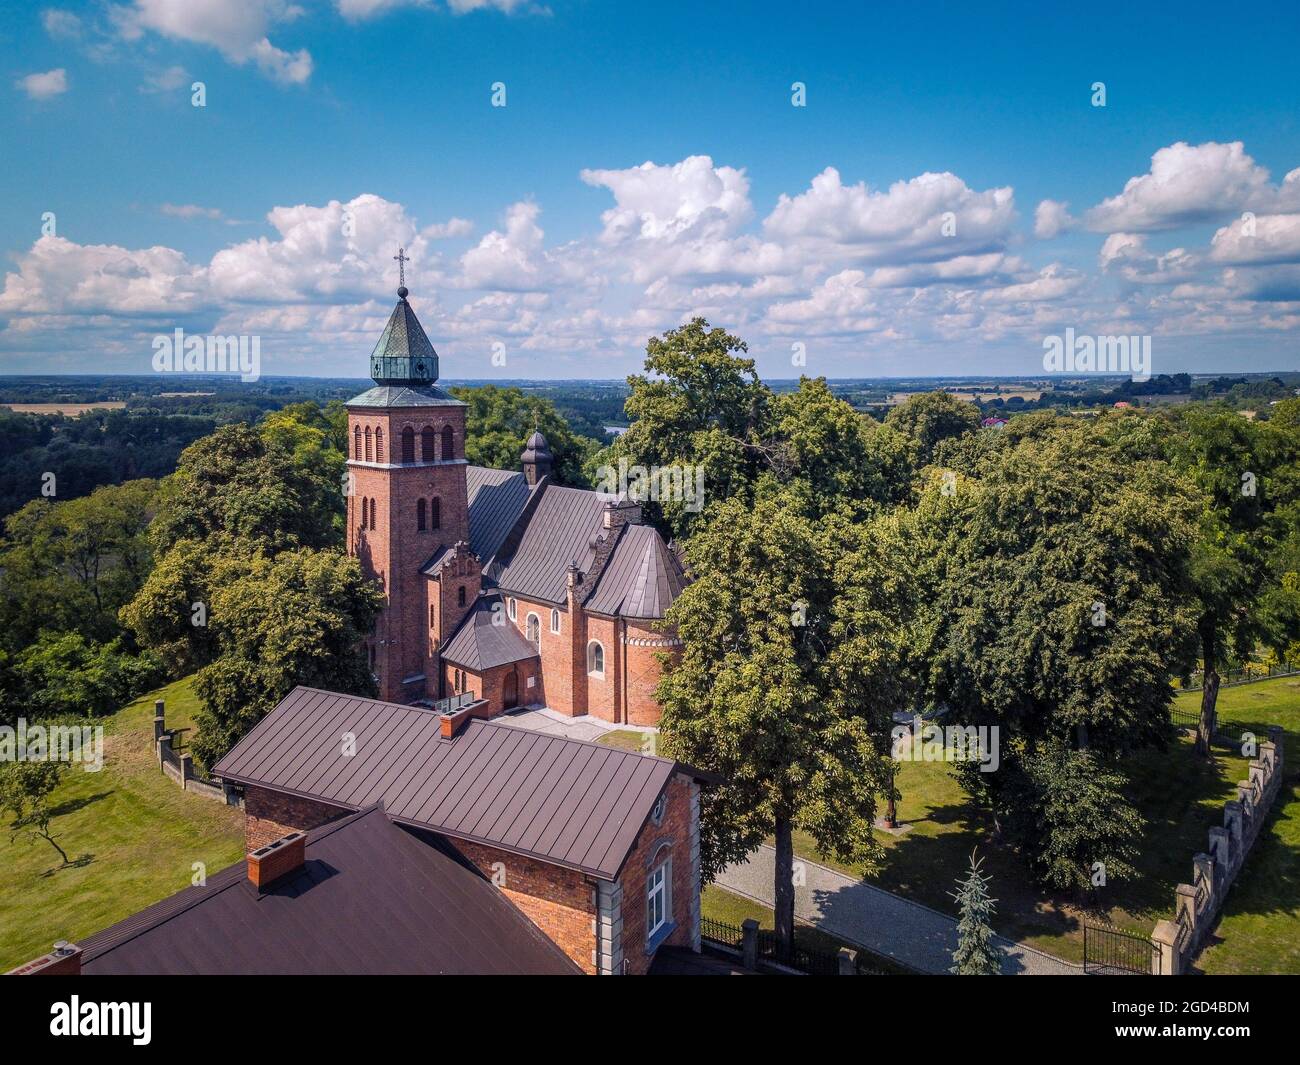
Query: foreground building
[[500, 584], [486, 847]]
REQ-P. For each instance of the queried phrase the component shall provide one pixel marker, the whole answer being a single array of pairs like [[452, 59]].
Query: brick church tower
[[407, 499]]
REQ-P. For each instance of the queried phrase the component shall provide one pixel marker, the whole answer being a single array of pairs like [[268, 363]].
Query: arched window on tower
[[595, 659], [460, 596], [356, 442], [372, 513], [427, 440], [369, 453], [365, 513], [419, 515], [379, 445], [448, 444], [408, 445], [435, 514], [533, 630]]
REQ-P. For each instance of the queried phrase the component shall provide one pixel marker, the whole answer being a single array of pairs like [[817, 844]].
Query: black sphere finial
[[402, 292]]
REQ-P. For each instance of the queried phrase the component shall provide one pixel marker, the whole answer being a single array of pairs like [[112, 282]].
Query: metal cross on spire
[[402, 259]]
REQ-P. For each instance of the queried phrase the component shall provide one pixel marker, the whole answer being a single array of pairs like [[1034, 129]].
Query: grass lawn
[[133, 834], [1181, 798], [1259, 929], [625, 738]]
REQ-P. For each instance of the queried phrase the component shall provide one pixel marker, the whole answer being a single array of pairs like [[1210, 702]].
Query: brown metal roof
[[641, 579], [575, 804], [564, 528], [483, 641], [496, 499], [371, 899]]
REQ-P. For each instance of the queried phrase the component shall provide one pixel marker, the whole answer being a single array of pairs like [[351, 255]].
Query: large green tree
[[760, 694], [297, 618], [1055, 582], [699, 404], [1248, 492], [930, 418]]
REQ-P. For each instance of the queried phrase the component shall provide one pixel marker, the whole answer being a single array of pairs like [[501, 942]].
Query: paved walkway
[[884, 923], [552, 722]]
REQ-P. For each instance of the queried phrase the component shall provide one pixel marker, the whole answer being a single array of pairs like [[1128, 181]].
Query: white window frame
[[528, 621], [658, 900], [512, 608], [592, 671], [555, 621]]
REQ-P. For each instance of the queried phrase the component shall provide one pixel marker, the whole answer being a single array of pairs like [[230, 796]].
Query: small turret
[[536, 459]]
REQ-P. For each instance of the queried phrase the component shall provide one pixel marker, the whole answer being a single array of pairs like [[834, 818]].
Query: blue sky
[[649, 165]]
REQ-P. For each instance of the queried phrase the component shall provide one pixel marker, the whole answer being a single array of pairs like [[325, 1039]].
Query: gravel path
[[898, 928]]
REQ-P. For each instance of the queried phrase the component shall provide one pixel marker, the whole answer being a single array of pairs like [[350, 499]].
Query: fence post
[[848, 960], [162, 746], [1165, 937], [1234, 821], [159, 720], [1204, 866], [749, 943], [1185, 899], [1221, 849], [187, 769]]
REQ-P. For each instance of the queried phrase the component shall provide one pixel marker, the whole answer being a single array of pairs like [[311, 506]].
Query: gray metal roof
[[566, 802], [564, 528], [371, 898], [496, 499], [479, 644], [641, 579], [405, 396]]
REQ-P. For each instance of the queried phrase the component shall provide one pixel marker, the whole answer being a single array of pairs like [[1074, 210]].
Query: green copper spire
[[403, 355]]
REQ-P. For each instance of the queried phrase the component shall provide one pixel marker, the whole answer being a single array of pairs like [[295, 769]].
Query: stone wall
[[1197, 905]]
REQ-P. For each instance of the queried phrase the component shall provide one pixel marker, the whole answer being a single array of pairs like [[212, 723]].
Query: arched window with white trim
[[555, 621], [595, 659], [533, 630]]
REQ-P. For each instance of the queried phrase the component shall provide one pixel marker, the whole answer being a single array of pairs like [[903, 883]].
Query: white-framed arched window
[[512, 608], [595, 659], [555, 620], [533, 630]]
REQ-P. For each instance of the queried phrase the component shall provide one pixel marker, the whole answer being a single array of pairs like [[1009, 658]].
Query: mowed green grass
[[133, 834], [1180, 796], [1259, 928]]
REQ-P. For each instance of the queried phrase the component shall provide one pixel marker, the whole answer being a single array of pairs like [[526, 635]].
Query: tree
[[499, 422], [25, 789], [1056, 607], [929, 418], [242, 484], [297, 618], [759, 694], [1247, 489], [698, 405], [975, 954], [62, 673], [70, 565]]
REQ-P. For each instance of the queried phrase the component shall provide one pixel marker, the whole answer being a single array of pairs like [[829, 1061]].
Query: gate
[[1111, 952]]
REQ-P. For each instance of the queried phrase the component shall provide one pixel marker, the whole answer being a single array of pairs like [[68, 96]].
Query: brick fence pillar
[[749, 943], [1165, 938]]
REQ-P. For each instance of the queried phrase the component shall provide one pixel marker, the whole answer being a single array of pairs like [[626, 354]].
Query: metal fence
[[1246, 675], [1113, 952], [1226, 733], [770, 949]]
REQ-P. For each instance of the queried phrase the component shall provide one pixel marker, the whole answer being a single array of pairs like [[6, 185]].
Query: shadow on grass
[[79, 862], [73, 805]]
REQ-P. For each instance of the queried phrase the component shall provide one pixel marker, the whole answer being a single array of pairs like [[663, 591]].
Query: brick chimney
[[277, 860], [63, 960], [621, 511]]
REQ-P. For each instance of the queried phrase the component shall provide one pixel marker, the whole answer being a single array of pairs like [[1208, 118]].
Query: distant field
[[64, 408], [1029, 395]]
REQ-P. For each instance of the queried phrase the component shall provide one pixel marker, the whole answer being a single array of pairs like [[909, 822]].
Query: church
[[501, 585]]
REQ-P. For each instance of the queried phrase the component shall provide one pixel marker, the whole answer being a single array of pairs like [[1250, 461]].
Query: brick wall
[[490, 685], [561, 902], [395, 549], [643, 645], [268, 815], [670, 840]]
